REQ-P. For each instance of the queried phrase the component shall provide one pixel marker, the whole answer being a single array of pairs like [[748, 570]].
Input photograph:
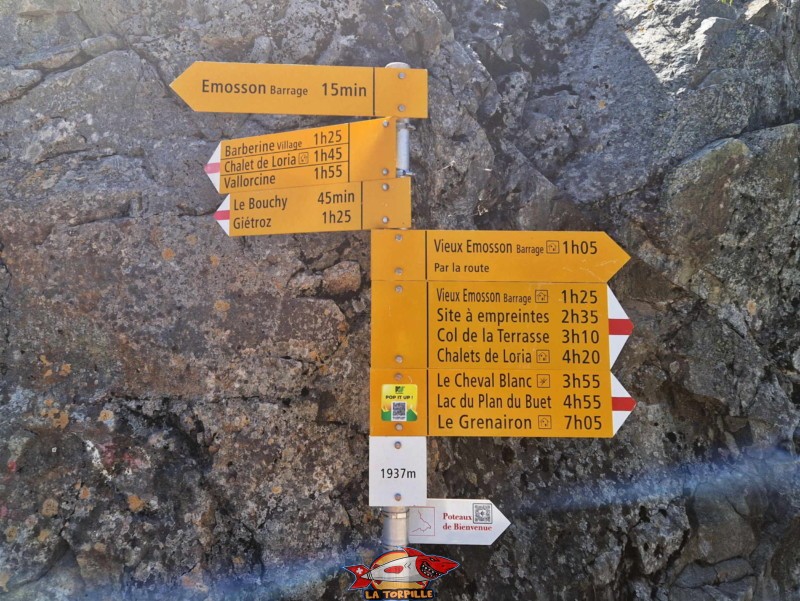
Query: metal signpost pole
[[395, 519]]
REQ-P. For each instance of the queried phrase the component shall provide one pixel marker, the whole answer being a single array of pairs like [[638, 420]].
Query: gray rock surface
[[185, 415]]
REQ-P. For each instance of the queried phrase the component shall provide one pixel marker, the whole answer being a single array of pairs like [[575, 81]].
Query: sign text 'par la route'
[[496, 358], [350, 152], [304, 89]]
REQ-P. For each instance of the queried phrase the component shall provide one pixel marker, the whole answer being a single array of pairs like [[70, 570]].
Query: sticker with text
[[399, 402], [400, 574]]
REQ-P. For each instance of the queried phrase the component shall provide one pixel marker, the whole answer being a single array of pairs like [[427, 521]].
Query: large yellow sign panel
[[495, 256], [337, 207], [304, 89], [501, 333], [361, 151]]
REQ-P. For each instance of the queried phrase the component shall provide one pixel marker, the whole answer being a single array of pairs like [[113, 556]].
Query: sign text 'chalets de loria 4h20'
[[479, 333]]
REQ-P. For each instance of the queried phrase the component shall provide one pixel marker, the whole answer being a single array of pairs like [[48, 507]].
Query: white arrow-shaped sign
[[455, 522], [619, 326]]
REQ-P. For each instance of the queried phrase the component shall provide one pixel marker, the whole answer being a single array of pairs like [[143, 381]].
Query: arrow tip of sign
[[212, 168], [619, 418], [622, 404], [617, 254], [223, 215], [179, 87]]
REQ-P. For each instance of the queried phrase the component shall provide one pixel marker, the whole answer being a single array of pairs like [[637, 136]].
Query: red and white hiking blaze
[[620, 328]]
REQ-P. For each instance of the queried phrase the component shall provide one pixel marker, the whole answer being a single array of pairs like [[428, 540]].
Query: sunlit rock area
[[185, 415]]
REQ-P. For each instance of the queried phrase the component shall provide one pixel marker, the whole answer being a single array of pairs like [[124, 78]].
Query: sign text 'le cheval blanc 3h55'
[[323, 179], [478, 333]]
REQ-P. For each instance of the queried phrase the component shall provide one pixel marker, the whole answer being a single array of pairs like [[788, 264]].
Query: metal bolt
[[385, 171], [401, 75], [398, 271], [401, 107], [385, 220], [398, 359], [386, 124], [398, 496], [398, 289], [399, 237], [398, 377], [398, 444], [385, 187], [398, 427]]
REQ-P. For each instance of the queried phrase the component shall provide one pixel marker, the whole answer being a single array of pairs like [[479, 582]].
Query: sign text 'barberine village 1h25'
[[474, 333]]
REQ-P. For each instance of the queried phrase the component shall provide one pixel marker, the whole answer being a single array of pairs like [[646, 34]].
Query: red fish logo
[[405, 570]]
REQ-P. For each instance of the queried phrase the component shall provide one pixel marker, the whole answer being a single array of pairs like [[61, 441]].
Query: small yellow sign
[[352, 152], [483, 402], [496, 256], [379, 379], [572, 403], [517, 325], [304, 89], [331, 208], [513, 325]]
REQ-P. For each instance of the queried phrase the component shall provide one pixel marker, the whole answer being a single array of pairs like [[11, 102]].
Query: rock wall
[[184, 415]]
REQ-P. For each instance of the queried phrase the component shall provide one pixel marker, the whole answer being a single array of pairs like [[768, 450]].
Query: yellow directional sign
[[304, 89], [495, 402], [496, 256], [331, 208], [351, 152], [496, 334], [513, 325], [520, 403]]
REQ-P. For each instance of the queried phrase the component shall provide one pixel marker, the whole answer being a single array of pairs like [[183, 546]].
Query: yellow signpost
[[304, 89], [351, 152], [330, 208], [496, 256], [510, 325], [497, 336]]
